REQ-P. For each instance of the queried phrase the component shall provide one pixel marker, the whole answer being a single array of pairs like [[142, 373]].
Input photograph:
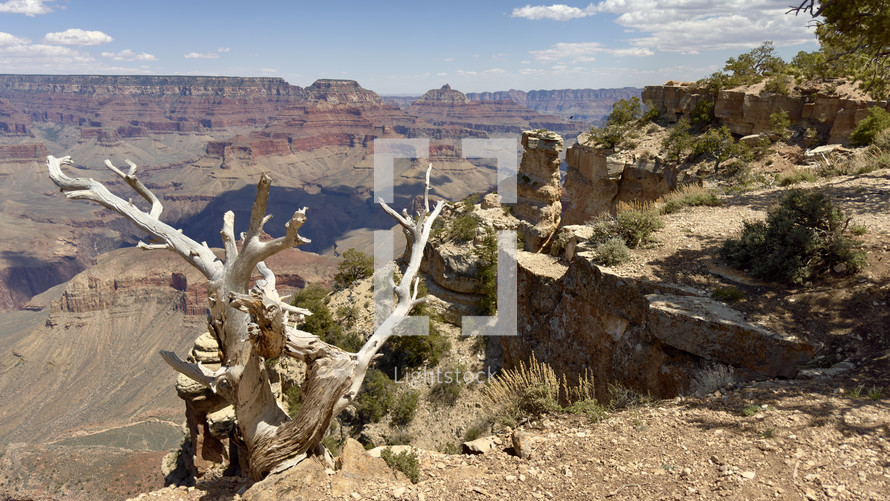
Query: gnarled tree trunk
[[254, 324]]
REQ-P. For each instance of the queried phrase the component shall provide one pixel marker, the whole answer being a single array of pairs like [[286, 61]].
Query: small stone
[[748, 474], [510, 478], [398, 492], [356, 495]]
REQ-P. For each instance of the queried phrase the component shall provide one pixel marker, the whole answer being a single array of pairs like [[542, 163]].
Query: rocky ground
[[823, 435]]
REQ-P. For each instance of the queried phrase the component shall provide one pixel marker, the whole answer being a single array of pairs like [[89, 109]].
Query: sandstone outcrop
[[647, 336], [538, 191], [746, 112], [597, 180]]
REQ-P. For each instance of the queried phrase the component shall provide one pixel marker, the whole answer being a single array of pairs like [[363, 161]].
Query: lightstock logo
[[505, 153]]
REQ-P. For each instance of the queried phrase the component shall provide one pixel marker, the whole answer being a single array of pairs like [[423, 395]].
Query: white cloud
[[7, 39], [583, 52], [77, 36], [556, 12], [129, 55], [29, 8], [690, 26], [207, 55]]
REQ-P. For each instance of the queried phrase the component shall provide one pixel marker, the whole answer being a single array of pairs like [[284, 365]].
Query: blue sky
[[398, 47]]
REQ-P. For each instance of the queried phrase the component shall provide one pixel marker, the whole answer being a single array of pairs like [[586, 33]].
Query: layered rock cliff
[[597, 180], [157, 103], [747, 111], [590, 106], [651, 337]]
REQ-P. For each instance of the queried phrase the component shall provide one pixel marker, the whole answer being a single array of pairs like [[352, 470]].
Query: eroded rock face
[[597, 180], [538, 191], [646, 336], [586, 105], [746, 113]]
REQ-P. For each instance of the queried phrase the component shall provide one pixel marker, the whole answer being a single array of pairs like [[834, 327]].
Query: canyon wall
[[746, 112], [590, 106], [157, 103]]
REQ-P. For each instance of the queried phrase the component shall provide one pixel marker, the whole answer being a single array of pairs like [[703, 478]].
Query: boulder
[[478, 446], [714, 331]]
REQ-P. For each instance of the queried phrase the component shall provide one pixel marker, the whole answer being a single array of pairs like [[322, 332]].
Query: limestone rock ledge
[[643, 335]]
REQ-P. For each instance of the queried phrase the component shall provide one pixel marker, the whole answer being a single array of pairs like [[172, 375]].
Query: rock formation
[[538, 190], [746, 112], [651, 337], [589, 106], [597, 180]]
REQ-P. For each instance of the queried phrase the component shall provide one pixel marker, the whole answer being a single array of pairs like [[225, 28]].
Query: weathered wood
[[256, 324]]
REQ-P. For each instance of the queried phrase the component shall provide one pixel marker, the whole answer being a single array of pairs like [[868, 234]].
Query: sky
[[398, 47]]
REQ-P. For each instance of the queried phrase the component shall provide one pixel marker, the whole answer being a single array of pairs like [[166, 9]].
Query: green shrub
[[612, 252], [802, 238], [293, 400], [402, 411], [376, 398], [356, 265], [878, 120], [690, 196], [487, 272], [781, 124], [678, 141], [626, 113], [728, 294], [314, 297], [702, 113], [405, 461], [795, 177], [750, 410], [637, 226], [464, 227], [447, 392], [778, 84]]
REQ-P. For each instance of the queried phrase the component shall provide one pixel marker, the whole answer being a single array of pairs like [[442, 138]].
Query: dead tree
[[254, 324]]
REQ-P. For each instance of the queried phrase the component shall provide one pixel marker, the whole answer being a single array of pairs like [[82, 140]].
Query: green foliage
[[778, 84], [356, 265], [678, 141], [719, 145], [875, 393], [405, 461], [750, 410], [878, 120], [691, 196], [612, 252], [464, 227], [637, 226], [376, 398], [293, 400], [858, 229], [626, 114], [795, 177], [759, 62], [651, 113], [702, 113], [487, 272], [634, 227], [402, 411], [855, 39], [314, 297], [404, 352], [802, 238], [812, 65], [729, 294], [448, 391], [781, 124]]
